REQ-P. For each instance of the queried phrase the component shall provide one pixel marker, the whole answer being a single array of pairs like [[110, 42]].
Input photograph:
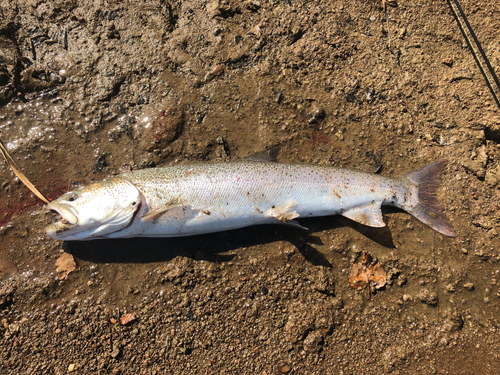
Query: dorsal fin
[[266, 155]]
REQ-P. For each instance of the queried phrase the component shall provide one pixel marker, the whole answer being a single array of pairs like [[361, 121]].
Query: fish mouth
[[68, 220]]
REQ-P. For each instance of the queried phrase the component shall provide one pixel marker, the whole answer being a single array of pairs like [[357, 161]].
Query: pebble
[[71, 367], [469, 286], [13, 328], [116, 351], [284, 368], [448, 62], [217, 70], [312, 341], [428, 297]]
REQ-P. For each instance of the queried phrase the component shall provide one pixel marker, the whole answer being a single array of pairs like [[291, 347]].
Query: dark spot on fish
[[206, 212], [134, 203]]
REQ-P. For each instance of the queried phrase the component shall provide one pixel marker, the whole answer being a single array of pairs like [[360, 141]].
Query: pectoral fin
[[370, 215], [283, 213], [155, 214]]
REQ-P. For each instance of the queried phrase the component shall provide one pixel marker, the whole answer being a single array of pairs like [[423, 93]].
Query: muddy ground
[[90, 91]]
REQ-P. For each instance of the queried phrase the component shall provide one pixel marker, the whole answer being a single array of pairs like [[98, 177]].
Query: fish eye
[[72, 197]]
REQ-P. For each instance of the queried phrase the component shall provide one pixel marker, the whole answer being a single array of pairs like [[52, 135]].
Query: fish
[[185, 200]]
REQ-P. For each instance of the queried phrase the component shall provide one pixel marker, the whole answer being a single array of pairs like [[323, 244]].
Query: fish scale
[[202, 198]]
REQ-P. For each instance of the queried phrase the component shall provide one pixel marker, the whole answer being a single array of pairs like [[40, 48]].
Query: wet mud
[[92, 90]]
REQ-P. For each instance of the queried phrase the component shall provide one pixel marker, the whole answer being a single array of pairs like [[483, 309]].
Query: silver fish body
[[202, 198]]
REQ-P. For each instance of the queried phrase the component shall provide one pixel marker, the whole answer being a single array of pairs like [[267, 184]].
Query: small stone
[[428, 297], [13, 328], [284, 368], [165, 128], [453, 321], [71, 367], [58, 331], [492, 176], [116, 351], [448, 62], [312, 342], [316, 115], [337, 303], [217, 70], [253, 5], [469, 286], [323, 281], [407, 297]]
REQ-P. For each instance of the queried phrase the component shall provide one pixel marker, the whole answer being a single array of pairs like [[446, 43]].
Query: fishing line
[[473, 50]]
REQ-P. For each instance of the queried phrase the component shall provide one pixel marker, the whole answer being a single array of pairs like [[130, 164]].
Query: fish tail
[[426, 208]]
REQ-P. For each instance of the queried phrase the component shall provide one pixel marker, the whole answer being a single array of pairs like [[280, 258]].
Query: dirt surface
[[90, 91]]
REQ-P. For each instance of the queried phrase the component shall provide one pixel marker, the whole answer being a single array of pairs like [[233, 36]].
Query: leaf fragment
[[65, 264], [363, 273]]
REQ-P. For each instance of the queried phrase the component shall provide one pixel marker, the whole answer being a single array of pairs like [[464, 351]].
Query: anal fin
[[370, 215]]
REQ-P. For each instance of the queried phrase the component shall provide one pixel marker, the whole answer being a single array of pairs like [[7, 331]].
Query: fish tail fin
[[426, 208]]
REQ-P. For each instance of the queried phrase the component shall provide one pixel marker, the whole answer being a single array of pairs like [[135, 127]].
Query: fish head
[[94, 210]]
